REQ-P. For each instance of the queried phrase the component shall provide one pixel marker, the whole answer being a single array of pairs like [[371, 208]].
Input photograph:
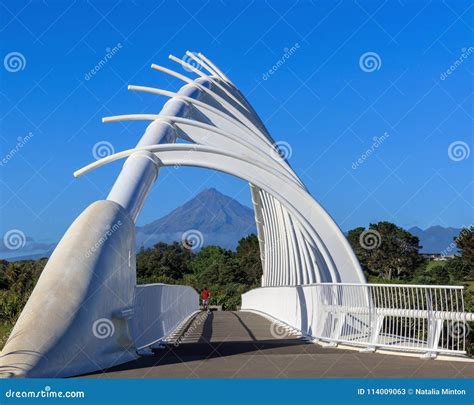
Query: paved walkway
[[242, 345]]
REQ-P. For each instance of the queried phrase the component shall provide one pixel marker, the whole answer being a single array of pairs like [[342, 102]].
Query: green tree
[[214, 265], [354, 236], [458, 270], [435, 274], [17, 280], [465, 244], [386, 250], [3, 276], [248, 257], [163, 263]]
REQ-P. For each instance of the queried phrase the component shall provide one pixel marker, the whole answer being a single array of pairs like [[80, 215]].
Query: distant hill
[[221, 220], [435, 239], [31, 250]]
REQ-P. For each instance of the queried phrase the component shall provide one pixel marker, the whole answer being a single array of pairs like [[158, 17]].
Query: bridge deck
[[240, 344]]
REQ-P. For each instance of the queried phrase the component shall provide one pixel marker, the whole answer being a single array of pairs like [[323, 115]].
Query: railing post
[[339, 317], [434, 328], [375, 326], [375, 322]]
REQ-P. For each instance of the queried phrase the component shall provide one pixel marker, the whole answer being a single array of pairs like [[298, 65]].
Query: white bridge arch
[[86, 311], [303, 210]]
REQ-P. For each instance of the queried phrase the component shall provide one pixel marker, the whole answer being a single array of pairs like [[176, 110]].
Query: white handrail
[[406, 317], [454, 287]]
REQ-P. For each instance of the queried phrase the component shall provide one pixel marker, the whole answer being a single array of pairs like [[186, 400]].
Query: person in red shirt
[[205, 299]]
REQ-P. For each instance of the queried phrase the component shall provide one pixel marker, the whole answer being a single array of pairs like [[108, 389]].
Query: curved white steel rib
[[211, 71], [223, 142], [245, 114], [298, 246], [202, 133], [229, 107], [209, 111], [203, 75], [209, 108], [301, 250], [209, 62], [296, 200]]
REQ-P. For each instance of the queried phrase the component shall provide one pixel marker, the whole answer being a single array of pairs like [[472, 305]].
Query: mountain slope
[[221, 220]]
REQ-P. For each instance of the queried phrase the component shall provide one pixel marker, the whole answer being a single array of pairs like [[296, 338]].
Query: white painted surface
[[159, 309]]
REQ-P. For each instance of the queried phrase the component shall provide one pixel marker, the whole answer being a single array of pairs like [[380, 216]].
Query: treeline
[[227, 274], [387, 253]]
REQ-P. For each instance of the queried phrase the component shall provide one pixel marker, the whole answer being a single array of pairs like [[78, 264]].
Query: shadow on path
[[220, 336]]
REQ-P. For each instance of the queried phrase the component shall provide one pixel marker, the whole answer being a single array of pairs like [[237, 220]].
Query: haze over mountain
[[436, 239], [27, 248], [222, 221]]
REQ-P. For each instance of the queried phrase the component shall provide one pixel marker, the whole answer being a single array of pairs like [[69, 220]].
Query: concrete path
[[245, 345]]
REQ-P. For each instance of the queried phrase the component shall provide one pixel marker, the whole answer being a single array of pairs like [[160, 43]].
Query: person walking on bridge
[[205, 299]]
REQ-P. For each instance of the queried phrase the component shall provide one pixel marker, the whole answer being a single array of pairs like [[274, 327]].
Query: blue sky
[[322, 101]]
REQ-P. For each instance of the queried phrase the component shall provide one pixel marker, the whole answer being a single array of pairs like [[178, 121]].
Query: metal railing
[[430, 319]]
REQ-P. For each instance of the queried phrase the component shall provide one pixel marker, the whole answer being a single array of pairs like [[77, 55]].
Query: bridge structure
[[87, 313]]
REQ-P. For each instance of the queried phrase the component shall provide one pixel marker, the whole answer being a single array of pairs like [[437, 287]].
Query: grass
[[433, 263]]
